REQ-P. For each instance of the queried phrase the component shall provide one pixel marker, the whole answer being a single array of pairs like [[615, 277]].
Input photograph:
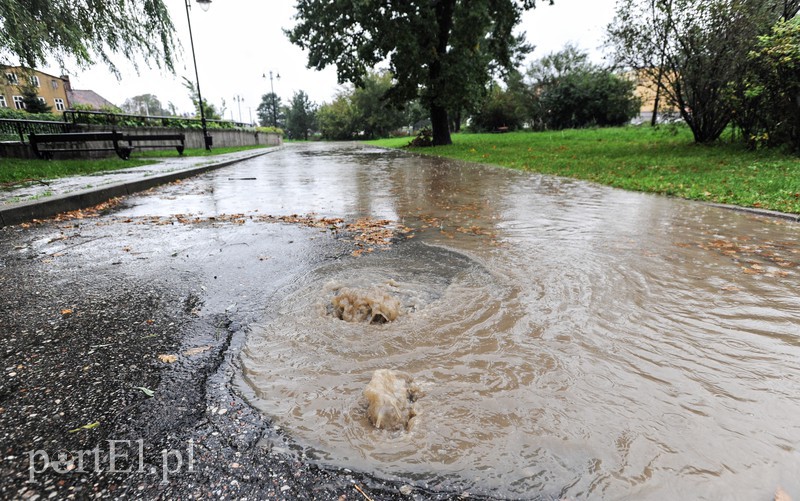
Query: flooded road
[[570, 339]]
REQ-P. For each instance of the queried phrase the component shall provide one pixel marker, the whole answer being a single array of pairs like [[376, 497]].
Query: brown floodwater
[[568, 339]]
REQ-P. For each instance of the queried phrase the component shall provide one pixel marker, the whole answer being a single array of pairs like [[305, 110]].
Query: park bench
[[101, 141], [180, 139]]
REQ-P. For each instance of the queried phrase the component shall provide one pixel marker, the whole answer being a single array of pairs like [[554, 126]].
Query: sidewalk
[[46, 199]]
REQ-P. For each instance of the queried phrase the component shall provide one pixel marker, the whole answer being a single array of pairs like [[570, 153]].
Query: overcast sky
[[237, 41]]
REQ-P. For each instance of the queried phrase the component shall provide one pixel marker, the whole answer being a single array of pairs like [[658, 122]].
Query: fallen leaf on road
[[359, 489], [168, 359], [196, 351], [66, 312], [144, 390], [86, 427]]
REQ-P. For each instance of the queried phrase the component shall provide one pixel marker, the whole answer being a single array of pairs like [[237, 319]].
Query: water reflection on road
[[571, 340]]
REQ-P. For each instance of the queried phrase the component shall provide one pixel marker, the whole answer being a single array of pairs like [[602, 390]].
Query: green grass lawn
[[16, 170], [662, 160]]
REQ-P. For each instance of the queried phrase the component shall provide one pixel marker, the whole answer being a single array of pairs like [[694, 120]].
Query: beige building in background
[[646, 91], [51, 89]]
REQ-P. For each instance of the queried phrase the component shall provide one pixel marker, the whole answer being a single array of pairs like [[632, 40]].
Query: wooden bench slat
[[131, 138]]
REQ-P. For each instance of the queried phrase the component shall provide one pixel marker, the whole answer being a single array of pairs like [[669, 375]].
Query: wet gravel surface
[[123, 333]]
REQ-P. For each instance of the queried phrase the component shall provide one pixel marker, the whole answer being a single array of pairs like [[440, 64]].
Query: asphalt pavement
[[118, 338]]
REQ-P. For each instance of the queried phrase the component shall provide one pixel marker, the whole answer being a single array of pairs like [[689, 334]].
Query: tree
[[556, 65], [37, 31], [301, 116], [568, 91], [502, 108], [366, 112], [269, 110], [442, 51], [339, 119], [377, 116], [589, 97], [33, 103], [144, 104], [767, 99], [209, 110], [693, 51], [544, 73]]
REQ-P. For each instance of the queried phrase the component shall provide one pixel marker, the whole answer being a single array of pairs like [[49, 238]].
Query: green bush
[[274, 130], [501, 110], [765, 102], [586, 98], [12, 114]]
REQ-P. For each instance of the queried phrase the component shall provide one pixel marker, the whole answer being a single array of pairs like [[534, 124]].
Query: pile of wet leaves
[[769, 258]]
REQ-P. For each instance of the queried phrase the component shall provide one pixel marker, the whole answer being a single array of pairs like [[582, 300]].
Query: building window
[[34, 80], [54, 83], [3, 103], [43, 100], [59, 104], [11, 78], [19, 103]]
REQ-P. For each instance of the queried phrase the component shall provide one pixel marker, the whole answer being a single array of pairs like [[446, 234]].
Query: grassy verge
[[17, 170], [660, 160]]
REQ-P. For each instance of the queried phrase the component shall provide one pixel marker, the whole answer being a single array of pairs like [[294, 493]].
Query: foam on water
[[374, 306], [390, 397]]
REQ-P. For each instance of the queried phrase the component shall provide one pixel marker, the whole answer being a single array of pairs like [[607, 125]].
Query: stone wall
[[194, 139], [15, 150]]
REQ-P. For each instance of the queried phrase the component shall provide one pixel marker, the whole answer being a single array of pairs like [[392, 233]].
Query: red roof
[[88, 97]]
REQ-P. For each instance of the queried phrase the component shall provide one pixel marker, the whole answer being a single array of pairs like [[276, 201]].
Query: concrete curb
[[758, 212], [50, 206]]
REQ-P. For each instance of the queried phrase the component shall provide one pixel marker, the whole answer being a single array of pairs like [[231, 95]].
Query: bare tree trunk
[[654, 118], [439, 122], [664, 42], [440, 126]]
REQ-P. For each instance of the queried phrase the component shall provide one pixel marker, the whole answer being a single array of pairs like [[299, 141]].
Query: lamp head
[[204, 4]]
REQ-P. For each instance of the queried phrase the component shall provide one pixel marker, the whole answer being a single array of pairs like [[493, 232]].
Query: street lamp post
[[274, 101], [239, 100], [204, 4]]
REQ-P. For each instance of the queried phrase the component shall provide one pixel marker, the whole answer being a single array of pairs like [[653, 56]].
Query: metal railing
[[80, 117], [13, 130]]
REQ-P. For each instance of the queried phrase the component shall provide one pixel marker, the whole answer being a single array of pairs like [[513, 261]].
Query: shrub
[[12, 114], [591, 97], [424, 138], [275, 130], [501, 110], [765, 102]]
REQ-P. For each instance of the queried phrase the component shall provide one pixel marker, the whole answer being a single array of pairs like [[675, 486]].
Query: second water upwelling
[[569, 339]]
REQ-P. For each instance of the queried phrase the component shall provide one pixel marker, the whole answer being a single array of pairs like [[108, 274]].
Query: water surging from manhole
[[390, 399], [605, 349], [374, 305], [350, 391]]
